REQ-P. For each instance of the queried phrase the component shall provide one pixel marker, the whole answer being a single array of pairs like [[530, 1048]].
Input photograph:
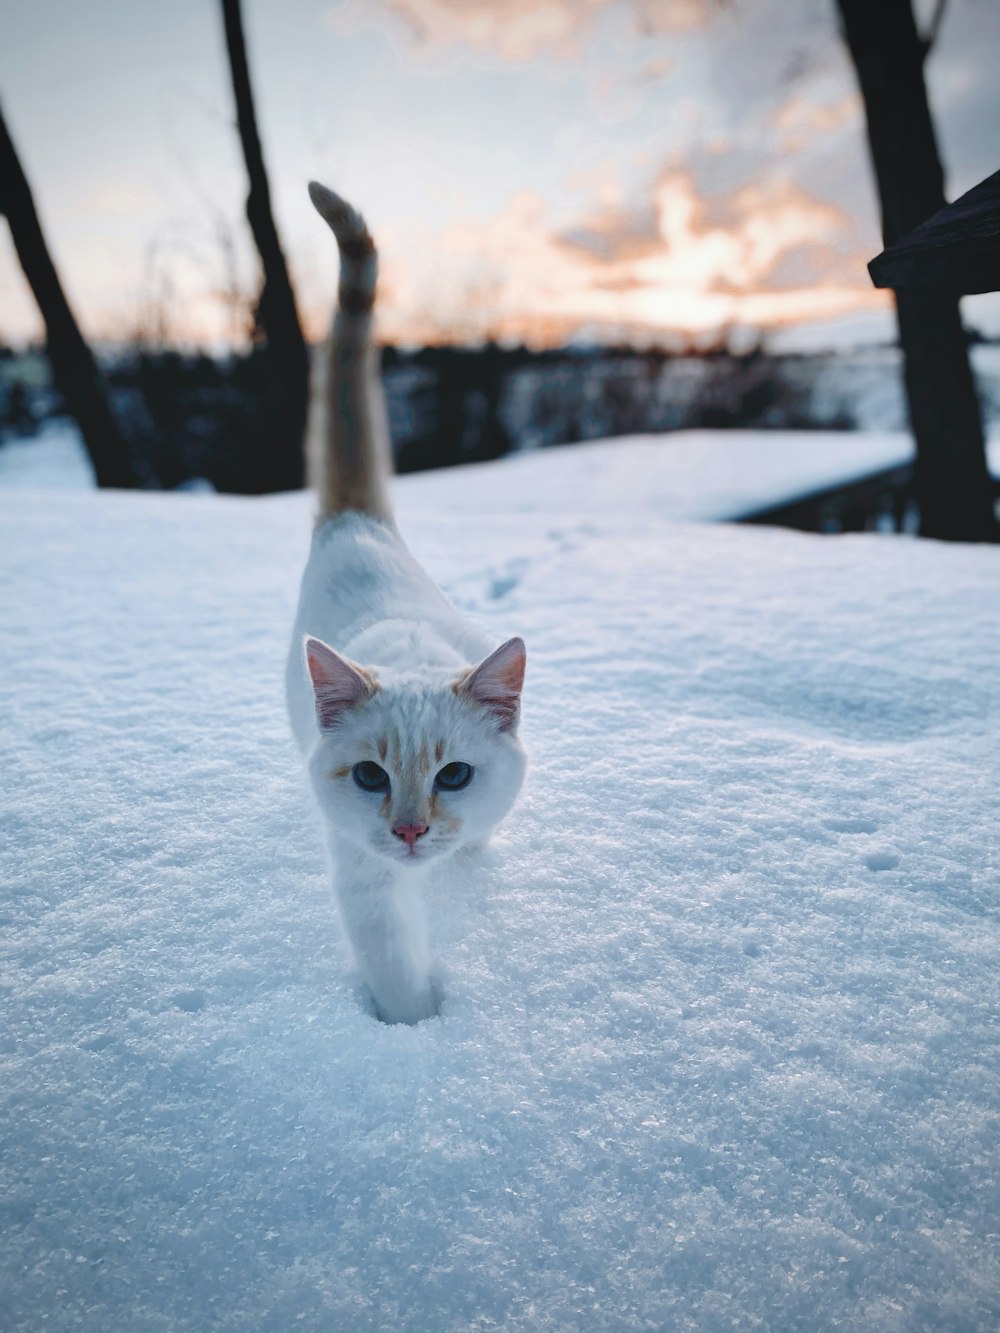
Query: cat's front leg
[[383, 913]]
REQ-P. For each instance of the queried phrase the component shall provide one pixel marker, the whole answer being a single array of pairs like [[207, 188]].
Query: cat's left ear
[[337, 683], [495, 684]]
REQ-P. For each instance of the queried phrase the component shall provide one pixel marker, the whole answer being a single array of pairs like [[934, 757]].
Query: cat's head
[[414, 766]]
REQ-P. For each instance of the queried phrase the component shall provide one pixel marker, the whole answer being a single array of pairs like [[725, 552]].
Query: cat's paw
[[400, 1004]]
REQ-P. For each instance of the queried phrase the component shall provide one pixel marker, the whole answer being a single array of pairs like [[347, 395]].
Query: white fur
[[365, 596], [394, 675]]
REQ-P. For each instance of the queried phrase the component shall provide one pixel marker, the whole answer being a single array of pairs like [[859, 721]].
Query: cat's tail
[[356, 456]]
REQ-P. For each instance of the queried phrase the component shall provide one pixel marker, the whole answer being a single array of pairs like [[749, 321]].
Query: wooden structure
[[958, 248], [878, 501]]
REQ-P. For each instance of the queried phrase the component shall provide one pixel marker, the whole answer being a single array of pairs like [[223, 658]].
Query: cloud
[[122, 199], [681, 238], [519, 30], [678, 262], [515, 30], [801, 121]]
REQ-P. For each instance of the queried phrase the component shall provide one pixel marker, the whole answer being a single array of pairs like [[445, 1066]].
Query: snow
[[54, 459], [692, 475], [718, 1049]]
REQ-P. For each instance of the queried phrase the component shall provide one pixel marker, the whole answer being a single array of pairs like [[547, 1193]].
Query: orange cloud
[[767, 255], [800, 121], [520, 29]]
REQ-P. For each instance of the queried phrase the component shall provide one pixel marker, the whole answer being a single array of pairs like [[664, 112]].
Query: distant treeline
[[200, 416]]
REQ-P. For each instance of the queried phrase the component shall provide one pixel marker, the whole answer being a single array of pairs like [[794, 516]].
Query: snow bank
[[694, 474], [718, 1048], [691, 475], [53, 459]]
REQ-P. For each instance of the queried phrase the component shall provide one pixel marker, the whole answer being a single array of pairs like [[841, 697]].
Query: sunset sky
[[535, 169]]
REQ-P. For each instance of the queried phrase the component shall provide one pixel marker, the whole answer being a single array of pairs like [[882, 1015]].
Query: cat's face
[[412, 768]]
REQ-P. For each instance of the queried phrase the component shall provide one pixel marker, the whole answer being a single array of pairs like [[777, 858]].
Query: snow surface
[[718, 1049], [692, 475], [54, 459]]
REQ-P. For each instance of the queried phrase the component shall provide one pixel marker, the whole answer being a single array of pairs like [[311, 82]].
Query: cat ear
[[495, 684], [337, 683]]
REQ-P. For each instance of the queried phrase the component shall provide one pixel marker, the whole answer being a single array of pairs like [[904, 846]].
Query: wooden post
[[952, 482], [276, 313], [74, 369]]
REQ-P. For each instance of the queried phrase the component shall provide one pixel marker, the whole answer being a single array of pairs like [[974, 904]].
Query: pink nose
[[409, 832]]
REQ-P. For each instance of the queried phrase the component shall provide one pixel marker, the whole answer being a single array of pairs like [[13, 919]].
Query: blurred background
[[595, 218]]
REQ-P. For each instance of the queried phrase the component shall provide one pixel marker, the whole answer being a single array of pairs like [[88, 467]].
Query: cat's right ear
[[337, 683], [496, 683]]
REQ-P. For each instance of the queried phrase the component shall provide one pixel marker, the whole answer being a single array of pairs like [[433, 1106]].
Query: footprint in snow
[[882, 861], [504, 583]]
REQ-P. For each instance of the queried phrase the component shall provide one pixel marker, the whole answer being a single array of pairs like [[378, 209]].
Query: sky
[[539, 170]]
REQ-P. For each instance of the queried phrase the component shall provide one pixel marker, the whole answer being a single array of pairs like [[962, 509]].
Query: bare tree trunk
[[276, 314], [74, 369], [953, 485]]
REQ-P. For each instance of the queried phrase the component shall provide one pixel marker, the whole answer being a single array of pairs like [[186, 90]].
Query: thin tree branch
[[928, 38]]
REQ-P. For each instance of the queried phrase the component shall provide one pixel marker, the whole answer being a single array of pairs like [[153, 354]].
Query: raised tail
[[355, 448]]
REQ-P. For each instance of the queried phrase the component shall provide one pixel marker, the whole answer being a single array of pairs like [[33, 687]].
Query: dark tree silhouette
[[953, 485], [277, 319], [74, 369]]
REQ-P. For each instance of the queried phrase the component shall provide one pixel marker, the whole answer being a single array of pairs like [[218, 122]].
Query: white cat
[[412, 749]]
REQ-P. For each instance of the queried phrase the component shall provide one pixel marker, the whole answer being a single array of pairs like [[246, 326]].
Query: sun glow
[[765, 256]]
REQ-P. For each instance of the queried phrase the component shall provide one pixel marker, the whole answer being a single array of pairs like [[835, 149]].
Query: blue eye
[[370, 777], [453, 777]]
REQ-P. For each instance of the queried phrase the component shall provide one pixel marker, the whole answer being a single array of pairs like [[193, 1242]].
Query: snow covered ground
[[718, 1048]]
